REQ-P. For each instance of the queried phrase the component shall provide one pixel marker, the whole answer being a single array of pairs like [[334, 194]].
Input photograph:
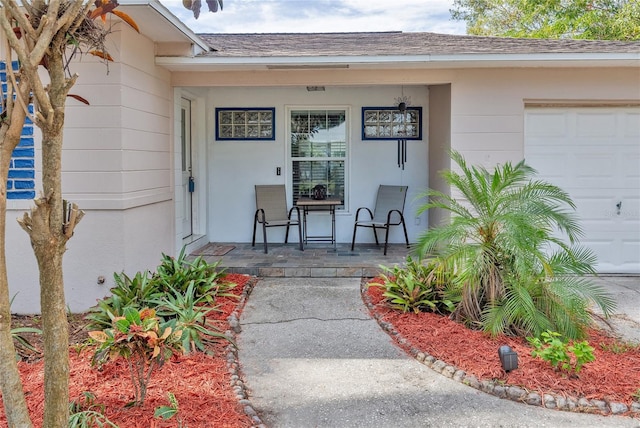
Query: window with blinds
[[318, 152]]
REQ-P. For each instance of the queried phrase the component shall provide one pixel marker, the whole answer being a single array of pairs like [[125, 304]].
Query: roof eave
[[212, 63], [153, 10]]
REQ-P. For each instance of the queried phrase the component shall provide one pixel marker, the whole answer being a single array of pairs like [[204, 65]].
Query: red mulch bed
[[612, 376], [201, 383]]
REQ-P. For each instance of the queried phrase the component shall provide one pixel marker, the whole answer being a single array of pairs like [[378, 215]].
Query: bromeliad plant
[[179, 273], [134, 292], [88, 413], [513, 272], [197, 283], [143, 340], [416, 286], [190, 317]]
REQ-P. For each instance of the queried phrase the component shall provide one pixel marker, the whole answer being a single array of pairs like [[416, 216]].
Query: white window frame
[[346, 159]]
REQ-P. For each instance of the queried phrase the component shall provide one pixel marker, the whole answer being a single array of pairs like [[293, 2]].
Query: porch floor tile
[[317, 260]]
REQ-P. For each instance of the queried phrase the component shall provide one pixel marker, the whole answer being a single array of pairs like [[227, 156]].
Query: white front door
[[188, 181], [594, 155]]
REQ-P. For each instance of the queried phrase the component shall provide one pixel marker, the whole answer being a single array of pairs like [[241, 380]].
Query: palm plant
[[514, 272]]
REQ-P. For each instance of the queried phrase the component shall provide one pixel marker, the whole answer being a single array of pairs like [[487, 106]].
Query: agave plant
[[506, 245]]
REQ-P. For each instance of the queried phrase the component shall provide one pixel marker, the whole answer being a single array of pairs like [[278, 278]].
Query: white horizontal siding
[[487, 105], [236, 166]]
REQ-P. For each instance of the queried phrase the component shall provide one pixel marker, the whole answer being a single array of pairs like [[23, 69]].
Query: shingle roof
[[396, 43]]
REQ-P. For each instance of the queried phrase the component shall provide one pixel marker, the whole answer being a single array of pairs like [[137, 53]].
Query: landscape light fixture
[[508, 358]]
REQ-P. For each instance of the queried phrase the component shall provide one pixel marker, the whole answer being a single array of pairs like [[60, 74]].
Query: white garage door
[[594, 155]]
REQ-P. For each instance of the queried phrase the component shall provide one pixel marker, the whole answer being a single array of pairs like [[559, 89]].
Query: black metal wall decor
[[402, 142], [399, 123]]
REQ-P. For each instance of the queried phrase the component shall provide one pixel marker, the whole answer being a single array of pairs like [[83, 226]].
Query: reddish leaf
[[79, 98], [126, 18], [100, 54]]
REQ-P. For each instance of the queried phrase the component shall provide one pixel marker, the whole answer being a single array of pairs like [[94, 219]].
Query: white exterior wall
[[487, 105], [117, 168], [236, 166], [486, 109]]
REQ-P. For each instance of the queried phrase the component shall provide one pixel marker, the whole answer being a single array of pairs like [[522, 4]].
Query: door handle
[[618, 207], [192, 185]]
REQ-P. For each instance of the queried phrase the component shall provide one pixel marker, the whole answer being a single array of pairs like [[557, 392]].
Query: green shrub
[[143, 340], [88, 414], [167, 412], [415, 287], [190, 317], [512, 272], [179, 273], [128, 292], [21, 343], [550, 347], [203, 281]]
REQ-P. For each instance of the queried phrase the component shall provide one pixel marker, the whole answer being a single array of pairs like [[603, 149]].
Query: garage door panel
[[590, 170], [605, 253], [551, 165], [595, 210], [592, 125], [594, 155], [630, 251], [629, 214], [630, 168], [631, 125]]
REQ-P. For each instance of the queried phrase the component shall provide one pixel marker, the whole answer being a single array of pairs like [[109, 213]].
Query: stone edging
[[511, 392], [233, 365]]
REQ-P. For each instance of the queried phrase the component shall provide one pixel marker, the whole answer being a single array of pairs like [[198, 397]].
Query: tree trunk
[[49, 234], [49, 246], [15, 406], [45, 226], [54, 320]]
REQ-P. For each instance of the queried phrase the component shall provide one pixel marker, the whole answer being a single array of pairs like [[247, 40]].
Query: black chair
[[388, 211], [271, 211]]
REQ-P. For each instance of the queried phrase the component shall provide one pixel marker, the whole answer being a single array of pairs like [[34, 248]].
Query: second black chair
[[388, 211]]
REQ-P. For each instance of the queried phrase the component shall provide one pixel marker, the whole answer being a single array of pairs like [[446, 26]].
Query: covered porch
[[317, 261]]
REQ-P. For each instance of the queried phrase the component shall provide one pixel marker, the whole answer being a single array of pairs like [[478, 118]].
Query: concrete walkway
[[626, 289], [312, 357]]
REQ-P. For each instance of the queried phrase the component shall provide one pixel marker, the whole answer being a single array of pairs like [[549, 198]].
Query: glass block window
[[389, 123], [318, 149], [245, 123], [21, 181]]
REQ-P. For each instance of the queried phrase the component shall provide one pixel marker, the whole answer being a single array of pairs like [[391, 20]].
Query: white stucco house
[[226, 112]]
